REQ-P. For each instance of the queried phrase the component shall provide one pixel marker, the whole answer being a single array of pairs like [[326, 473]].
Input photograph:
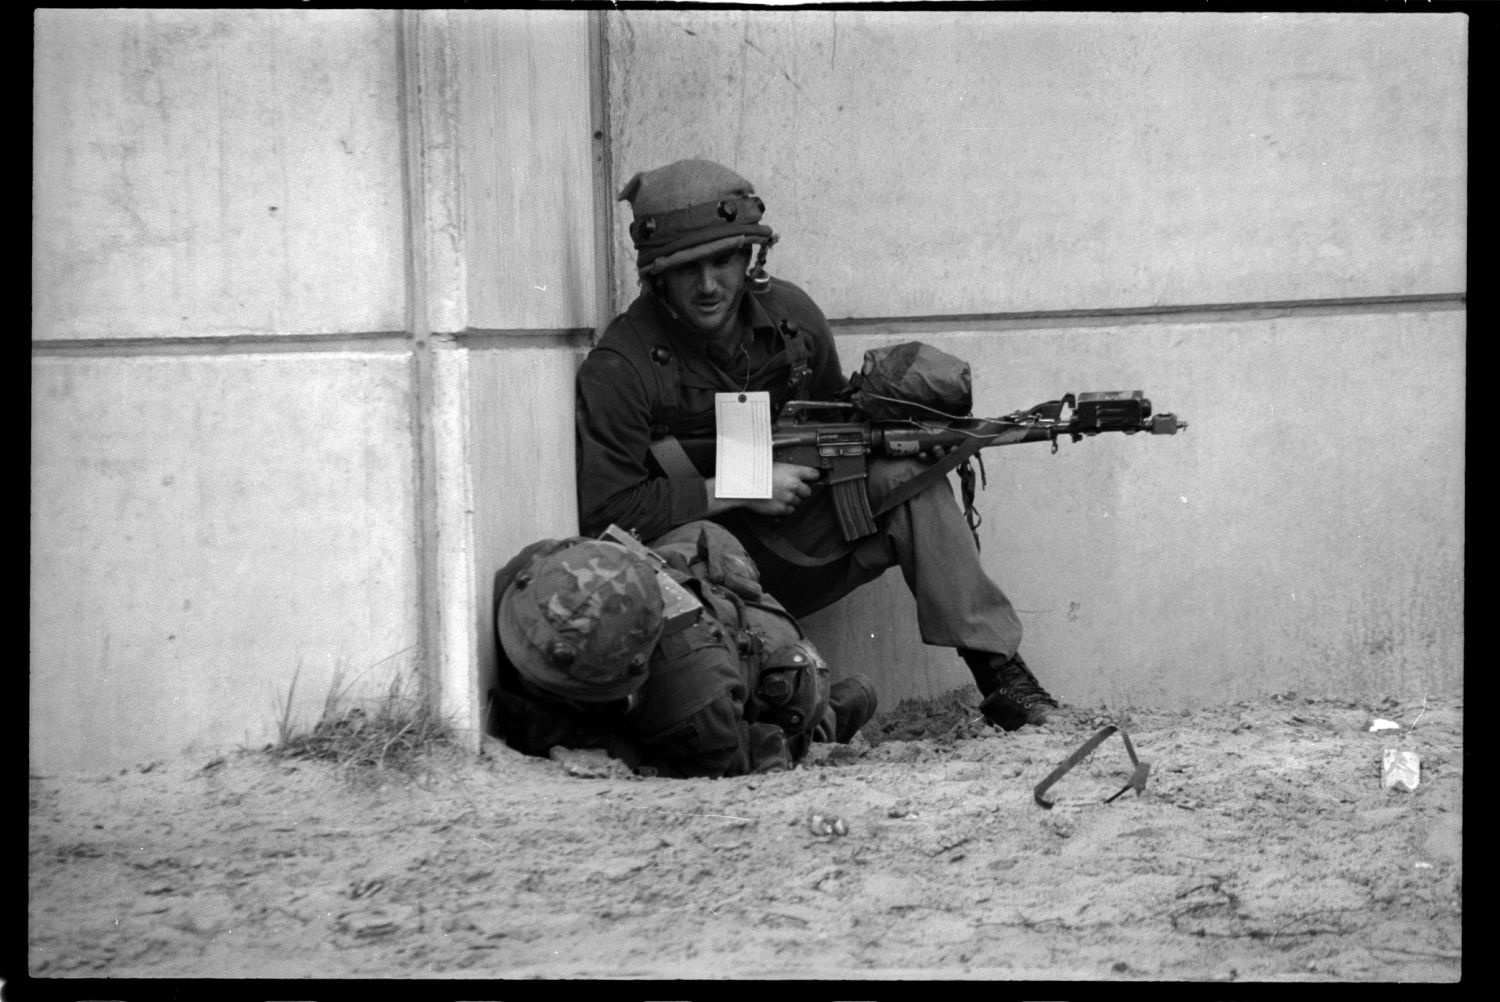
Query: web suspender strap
[[673, 459]]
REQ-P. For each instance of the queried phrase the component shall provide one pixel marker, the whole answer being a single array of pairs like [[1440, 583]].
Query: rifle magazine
[[852, 504]]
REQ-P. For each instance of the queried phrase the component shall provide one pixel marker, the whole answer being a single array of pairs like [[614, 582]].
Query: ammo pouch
[[791, 691], [916, 382]]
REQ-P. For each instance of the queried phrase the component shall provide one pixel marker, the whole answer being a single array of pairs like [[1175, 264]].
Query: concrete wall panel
[[1306, 531], [201, 530], [528, 149], [216, 173], [963, 162], [522, 465]]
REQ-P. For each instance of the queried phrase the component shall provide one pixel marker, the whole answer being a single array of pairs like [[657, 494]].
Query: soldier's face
[[706, 292]]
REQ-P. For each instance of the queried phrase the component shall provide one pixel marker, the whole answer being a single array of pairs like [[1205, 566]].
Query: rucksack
[[787, 679], [912, 380]]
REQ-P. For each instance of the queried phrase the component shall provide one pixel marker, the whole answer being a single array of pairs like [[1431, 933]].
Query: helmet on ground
[[691, 209], [580, 621]]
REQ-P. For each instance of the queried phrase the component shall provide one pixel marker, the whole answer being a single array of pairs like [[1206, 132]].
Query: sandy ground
[[1263, 849]]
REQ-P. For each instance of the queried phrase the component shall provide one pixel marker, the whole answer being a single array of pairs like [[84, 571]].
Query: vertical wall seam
[[604, 264], [409, 101], [447, 583]]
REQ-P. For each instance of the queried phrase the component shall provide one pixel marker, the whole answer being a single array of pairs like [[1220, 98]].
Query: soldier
[[587, 661], [708, 321]]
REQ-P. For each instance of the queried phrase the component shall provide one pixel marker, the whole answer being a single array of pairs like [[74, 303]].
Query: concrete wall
[[223, 475], [309, 290], [216, 175], [1305, 533], [961, 162], [1260, 220], [205, 527]]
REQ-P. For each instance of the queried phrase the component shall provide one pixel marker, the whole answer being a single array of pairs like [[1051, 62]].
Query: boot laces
[[1019, 684]]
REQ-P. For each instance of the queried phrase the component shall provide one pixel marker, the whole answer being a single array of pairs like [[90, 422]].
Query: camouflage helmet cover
[[580, 621], [691, 209]]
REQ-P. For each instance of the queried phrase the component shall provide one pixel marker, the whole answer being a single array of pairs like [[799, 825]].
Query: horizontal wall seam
[[576, 337], [539, 338], [1204, 313], [257, 344], [231, 344]]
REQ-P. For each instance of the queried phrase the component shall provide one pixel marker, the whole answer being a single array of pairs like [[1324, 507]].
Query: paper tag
[[743, 459]]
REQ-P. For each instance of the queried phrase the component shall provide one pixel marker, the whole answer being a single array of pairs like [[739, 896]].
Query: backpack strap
[[797, 344], [662, 370], [667, 371], [673, 458]]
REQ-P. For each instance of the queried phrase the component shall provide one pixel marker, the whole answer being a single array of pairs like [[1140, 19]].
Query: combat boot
[[1012, 695], [853, 702]]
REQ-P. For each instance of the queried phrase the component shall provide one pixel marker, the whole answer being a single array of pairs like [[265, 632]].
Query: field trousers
[[958, 604]]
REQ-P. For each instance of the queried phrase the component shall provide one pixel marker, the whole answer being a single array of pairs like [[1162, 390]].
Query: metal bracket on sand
[[1137, 777]]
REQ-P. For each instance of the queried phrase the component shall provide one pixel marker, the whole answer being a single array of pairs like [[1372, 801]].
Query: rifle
[[836, 437]]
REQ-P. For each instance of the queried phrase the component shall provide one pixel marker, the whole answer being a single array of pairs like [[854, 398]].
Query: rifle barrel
[[902, 438]]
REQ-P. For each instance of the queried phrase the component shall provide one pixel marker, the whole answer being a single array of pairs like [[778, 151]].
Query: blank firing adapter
[[1121, 410]]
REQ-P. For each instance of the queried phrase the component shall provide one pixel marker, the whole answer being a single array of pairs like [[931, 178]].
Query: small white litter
[[1400, 769]]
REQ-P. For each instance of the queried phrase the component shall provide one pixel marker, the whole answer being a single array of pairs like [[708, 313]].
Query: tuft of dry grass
[[394, 731]]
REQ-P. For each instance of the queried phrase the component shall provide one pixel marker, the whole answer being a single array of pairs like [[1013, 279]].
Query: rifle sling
[[778, 544], [906, 491]]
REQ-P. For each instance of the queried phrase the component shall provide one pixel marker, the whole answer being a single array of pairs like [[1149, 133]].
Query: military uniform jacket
[[696, 714], [649, 378]]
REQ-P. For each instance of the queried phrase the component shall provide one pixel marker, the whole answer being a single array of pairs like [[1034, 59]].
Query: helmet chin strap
[[653, 285], [759, 280]]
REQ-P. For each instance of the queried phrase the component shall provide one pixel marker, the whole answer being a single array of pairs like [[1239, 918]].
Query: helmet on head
[[692, 209], [580, 621]]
